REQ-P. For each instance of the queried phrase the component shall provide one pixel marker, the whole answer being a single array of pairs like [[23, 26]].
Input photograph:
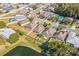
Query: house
[[2, 11], [60, 35], [23, 4], [46, 8], [73, 39], [33, 6], [24, 22], [40, 14], [37, 21], [76, 23], [6, 6], [47, 15], [6, 32], [17, 18], [38, 24], [9, 8], [53, 14], [70, 18], [28, 26], [67, 21], [39, 28], [49, 32], [55, 25], [24, 11]]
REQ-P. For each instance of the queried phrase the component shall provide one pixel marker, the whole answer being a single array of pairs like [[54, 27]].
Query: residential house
[[37, 21], [17, 18], [2, 11], [24, 11], [23, 4], [6, 32], [73, 39], [47, 8], [28, 26], [39, 28], [49, 32], [47, 15], [55, 25], [76, 23], [53, 14], [67, 21], [6, 6], [60, 35], [24, 22]]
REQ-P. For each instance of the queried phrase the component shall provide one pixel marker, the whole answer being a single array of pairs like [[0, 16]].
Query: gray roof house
[[17, 18], [6, 32], [61, 35], [24, 22], [7, 6], [39, 28], [49, 32], [47, 15], [28, 26], [76, 23], [73, 39]]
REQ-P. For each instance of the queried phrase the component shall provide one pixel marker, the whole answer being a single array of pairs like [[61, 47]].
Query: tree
[[56, 48], [30, 19], [20, 33], [2, 24], [54, 44], [13, 38], [45, 24], [69, 10]]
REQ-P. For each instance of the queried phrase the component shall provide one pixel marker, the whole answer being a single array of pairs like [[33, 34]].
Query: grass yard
[[6, 20], [17, 27], [25, 43]]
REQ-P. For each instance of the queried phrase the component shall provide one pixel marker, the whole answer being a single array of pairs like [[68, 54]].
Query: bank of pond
[[22, 51]]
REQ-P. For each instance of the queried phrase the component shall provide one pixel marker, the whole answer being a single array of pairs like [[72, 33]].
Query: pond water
[[22, 51]]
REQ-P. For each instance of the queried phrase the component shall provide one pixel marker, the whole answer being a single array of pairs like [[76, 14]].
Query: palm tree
[[57, 48]]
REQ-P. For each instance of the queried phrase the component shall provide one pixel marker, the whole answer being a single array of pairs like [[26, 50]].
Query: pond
[[22, 51]]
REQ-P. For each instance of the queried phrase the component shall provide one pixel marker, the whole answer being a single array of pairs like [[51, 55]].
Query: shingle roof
[[6, 32]]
